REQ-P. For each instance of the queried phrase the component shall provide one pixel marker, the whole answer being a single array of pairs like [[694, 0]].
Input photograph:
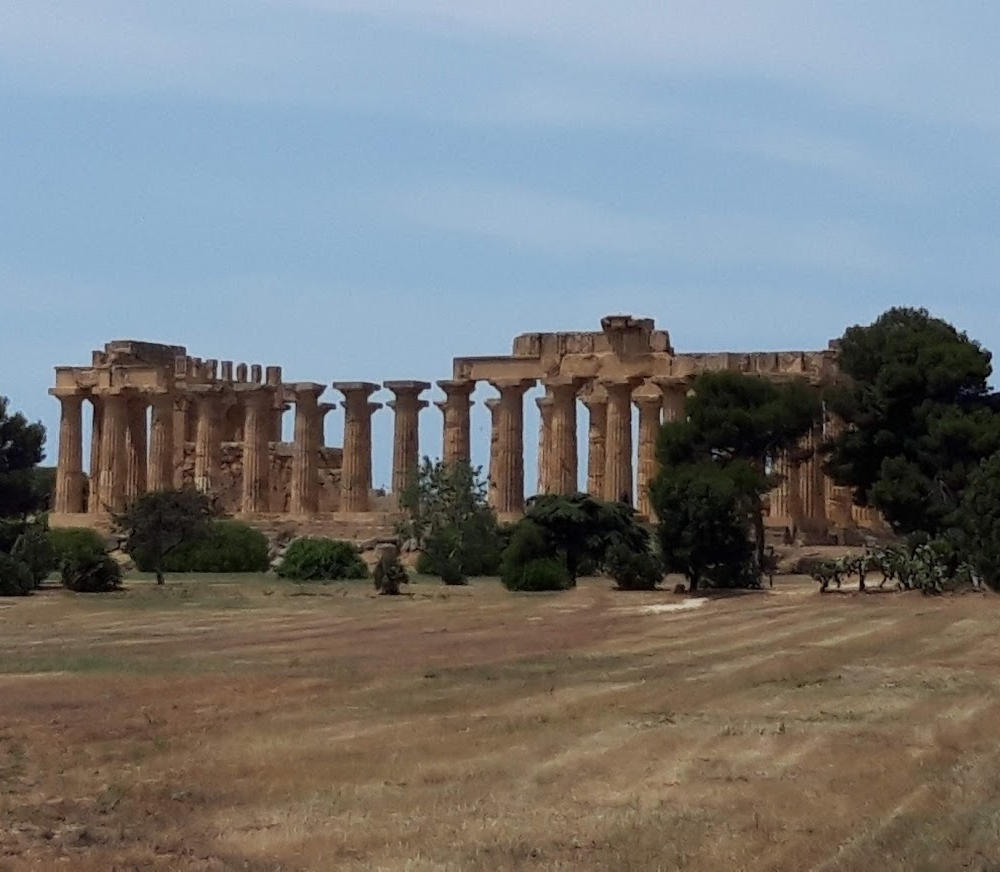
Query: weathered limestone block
[[160, 474], [304, 497], [618, 444], [406, 432], [596, 401], [113, 457], [508, 465], [356, 475], [562, 453], [455, 409], [649, 406], [69, 468]]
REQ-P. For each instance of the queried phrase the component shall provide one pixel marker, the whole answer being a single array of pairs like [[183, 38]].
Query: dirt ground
[[261, 725]]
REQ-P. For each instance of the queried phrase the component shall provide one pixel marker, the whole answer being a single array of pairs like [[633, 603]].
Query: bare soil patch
[[255, 724]]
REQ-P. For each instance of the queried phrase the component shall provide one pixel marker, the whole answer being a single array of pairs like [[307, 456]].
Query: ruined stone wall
[[230, 488]]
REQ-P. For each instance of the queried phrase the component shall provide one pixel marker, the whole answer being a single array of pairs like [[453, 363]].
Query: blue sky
[[367, 189]]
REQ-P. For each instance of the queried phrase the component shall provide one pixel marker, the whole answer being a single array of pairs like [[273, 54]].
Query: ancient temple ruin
[[161, 418]]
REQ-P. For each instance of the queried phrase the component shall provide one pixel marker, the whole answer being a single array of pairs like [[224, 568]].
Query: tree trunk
[[159, 576]]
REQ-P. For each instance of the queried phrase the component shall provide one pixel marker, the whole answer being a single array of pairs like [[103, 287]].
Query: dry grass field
[[255, 724]]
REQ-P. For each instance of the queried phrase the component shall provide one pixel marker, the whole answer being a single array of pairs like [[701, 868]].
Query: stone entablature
[[218, 426]]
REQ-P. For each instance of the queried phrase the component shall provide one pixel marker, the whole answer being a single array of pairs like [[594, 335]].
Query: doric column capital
[[512, 387], [456, 389], [356, 394], [616, 387], [302, 391]]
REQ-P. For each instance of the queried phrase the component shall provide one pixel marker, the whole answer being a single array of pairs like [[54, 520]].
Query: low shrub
[[75, 541], [10, 531], [90, 573], [317, 559], [34, 549], [442, 556], [15, 577], [633, 570], [542, 573], [226, 546], [527, 543]]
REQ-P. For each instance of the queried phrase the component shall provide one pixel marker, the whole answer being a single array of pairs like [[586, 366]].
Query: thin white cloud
[[567, 227], [914, 58]]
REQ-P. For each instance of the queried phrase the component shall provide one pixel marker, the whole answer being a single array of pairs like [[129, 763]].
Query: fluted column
[[649, 429], [258, 423], [618, 445], [322, 410], [182, 409], [545, 409], [780, 499], [839, 500], [304, 496], [406, 432], [114, 425], [674, 390], [207, 440], [160, 474], [355, 473], [811, 480], [136, 447], [596, 402], [455, 408], [493, 405], [94, 490], [508, 464], [69, 469], [563, 452]]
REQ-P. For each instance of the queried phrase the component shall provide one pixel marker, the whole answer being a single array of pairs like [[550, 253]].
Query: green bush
[[633, 570], [15, 577], [75, 541], [10, 531], [34, 549], [527, 543], [226, 546], [90, 573], [316, 559], [542, 573]]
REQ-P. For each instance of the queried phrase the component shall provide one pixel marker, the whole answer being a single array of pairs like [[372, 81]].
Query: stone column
[[258, 421], [455, 408], [136, 448], [674, 390], [160, 474], [322, 409], [597, 405], [208, 437], [839, 500], [94, 491], [618, 444], [563, 453], [182, 408], [406, 433], [649, 429], [545, 409], [813, 490], [114, 425], [493, 404], [508, 463], [304, 497], [69, 469], [355, 473]]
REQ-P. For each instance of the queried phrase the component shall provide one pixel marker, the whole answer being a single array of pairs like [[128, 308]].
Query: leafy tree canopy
[[580, 528], [735, 423], [157, 522], [21, 449], [918, 417], [452, 522], [704, 525]]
